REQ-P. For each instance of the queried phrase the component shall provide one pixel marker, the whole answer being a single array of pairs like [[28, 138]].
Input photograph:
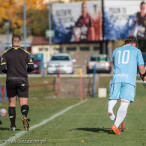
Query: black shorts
[[17, 86]]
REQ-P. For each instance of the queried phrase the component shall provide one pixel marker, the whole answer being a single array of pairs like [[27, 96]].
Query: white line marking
[[139, 81], [85, 114], [19, 134]]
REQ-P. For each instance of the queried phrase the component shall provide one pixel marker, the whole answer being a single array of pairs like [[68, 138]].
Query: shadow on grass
[[106, 130], [3, 128]]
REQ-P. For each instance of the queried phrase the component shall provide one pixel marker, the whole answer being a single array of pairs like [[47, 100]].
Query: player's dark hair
[[142, 3], [16, 38], [131, 39]]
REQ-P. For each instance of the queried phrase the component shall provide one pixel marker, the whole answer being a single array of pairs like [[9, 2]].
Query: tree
[[35, 4], [38, 21], [12, 10]]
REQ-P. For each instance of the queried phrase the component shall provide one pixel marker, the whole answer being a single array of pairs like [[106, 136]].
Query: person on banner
[[125, 60], [140, 20], [97, 22], [16, 63], [83, 29]]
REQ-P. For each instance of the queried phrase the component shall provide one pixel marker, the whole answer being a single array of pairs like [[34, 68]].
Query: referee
[[16, 63], [0, 63]]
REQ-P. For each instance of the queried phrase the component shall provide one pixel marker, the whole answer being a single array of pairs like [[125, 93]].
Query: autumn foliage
[[12, 10]]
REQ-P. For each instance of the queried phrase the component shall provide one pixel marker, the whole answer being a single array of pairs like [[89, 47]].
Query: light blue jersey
[[125, 60]]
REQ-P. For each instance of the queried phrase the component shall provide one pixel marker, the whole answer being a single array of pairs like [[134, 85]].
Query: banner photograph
[[77, 22], [124, 18]]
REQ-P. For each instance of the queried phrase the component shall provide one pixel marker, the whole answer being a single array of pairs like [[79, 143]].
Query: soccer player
[[83, 29], [125, 60], [16, 62], [141, 21]]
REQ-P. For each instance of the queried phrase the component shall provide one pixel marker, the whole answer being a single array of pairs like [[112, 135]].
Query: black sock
[[24, 110], [12, 115]]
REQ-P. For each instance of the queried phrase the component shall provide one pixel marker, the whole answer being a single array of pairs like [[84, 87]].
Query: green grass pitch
[[86, 124]]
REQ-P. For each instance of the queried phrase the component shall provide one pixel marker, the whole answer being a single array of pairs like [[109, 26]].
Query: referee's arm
[[3, 65], [30, 64]]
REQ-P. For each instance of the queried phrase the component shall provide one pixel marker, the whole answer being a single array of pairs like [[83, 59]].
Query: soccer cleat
[[25, 122], [12, 128], [0, 122], [115, 130]]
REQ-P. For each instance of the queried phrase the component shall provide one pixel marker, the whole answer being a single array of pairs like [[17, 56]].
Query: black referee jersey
[[0, 58], [16, 62]]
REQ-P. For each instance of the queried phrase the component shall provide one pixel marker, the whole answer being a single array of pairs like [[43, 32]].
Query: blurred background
[[86, 31], [71, 44]]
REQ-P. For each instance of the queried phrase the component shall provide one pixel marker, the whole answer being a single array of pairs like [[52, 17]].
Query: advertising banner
[[124, 18], [77, 21]]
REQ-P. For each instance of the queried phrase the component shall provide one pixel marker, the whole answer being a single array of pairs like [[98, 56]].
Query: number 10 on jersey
[[125, 57]]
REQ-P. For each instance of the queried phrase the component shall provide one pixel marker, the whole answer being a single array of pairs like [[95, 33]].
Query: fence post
[[94, 75], [81, 84], [43, 69], [0, 94], [58, 83], [5, 94]]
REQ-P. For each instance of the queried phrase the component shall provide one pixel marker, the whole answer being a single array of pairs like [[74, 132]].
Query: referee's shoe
[[12, 128], [25, 122]]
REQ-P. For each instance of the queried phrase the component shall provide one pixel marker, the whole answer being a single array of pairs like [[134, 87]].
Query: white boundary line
[[19, 134], [139, 81]]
